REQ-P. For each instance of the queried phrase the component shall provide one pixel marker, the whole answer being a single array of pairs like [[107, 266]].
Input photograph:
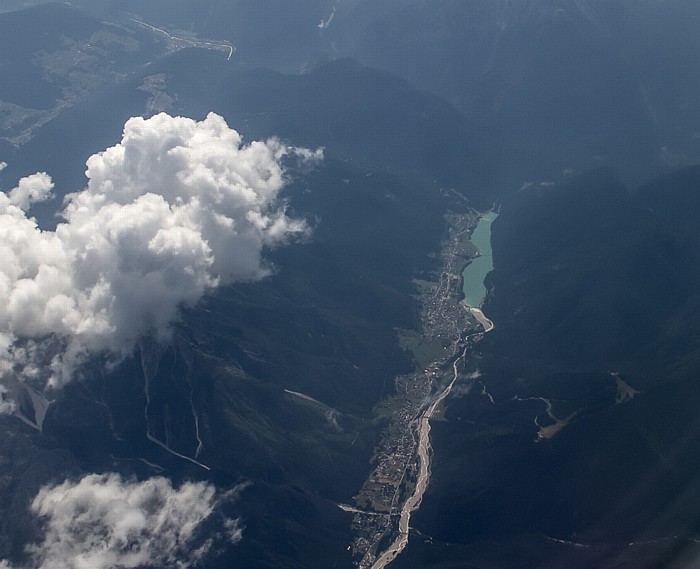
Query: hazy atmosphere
[[349, 283]]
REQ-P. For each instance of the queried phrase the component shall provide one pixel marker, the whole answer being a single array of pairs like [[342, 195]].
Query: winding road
[[190, 42]]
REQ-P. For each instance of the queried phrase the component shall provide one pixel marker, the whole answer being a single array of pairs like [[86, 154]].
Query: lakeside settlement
[[401, 463]]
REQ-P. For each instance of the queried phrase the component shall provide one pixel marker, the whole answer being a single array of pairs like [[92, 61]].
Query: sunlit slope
[[53, 55], [275, 382]]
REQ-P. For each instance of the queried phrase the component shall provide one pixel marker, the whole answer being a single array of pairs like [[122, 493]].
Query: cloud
[[6, 406], [177, 208], [30, 190], [106, 522]]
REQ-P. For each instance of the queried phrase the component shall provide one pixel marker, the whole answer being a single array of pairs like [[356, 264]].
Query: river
[[475, 292], [424, 453]]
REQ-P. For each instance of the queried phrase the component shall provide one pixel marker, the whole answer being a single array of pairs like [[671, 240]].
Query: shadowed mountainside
[[322, 327], [593, 295]]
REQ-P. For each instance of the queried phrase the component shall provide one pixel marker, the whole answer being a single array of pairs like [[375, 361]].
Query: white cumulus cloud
[[175, 209], [106, 522]]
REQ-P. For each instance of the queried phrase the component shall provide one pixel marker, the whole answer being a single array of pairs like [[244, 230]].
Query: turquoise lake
[[476, 271]]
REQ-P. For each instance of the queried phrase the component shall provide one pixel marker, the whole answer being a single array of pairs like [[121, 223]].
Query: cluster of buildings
[[379, 501]]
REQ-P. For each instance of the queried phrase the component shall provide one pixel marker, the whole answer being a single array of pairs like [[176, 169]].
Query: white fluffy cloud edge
[[175, 209], [107, 522]]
